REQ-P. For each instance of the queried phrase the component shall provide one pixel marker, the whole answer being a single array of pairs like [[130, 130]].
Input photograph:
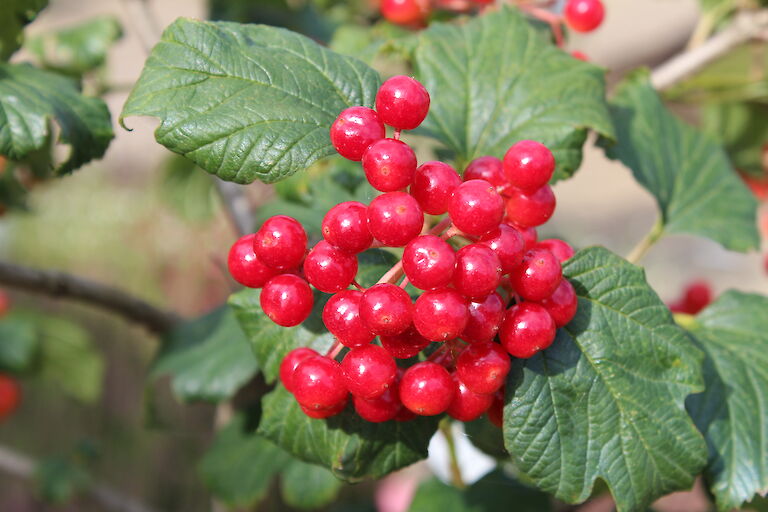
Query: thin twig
[[60, 284], [646, 243], [455, 469]]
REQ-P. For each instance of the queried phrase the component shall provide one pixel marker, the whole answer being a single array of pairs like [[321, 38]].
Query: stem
[[646, 243], [404, 282], [440, 226], [392, 274], [456, 479], [236, 205], [357, 285], [397, 133], [334, 350]]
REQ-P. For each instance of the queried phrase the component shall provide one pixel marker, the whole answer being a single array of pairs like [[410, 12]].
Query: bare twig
[[236, 204], [60, 284], [745, 26]]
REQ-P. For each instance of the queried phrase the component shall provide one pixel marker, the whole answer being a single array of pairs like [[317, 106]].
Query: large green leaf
[[494, 80], [30, 99], [352, 448], [606, 400], [209, 358], [732, 412], [247, 102], [16, 14], [687, 172], [308, 486], [18, 342]]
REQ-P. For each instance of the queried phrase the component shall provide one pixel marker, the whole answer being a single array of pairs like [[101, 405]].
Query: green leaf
[[352, 448], [16, 14], [79, 49], [732, 411], [307, 486], [687, 172], [247, 102], [494, 80], [240, 464], [209, 358], [31, 98], [18, 343], [487, 437], [189, 192], [743, 129], [495, 492], [60, 479], [606, 399]]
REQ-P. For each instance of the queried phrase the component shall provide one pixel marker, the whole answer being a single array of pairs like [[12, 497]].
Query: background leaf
[[308, 486], [743, 129], [16, 14], [606, 400], [18, 342]]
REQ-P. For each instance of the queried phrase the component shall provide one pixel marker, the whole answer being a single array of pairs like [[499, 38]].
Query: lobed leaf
[[16, 14], [307, 486]]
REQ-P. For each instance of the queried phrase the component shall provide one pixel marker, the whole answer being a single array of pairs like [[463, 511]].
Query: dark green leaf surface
[[494, 80], [353, 449], [732, 411], [30, 99], [687, 172], [308, 486], [247, 102], [208, 358], [606, 400], [14, 15], [19, 342], [60, 479], [743, 129], [487, 437]]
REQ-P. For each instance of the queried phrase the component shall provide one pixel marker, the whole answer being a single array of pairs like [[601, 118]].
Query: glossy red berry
[[389, 165], [406, 344], [321, 414], [354, 130], [483, 367], [697, 296], [329, 269], [244, 266], [584, 15], [428, 261], [440, 315], [318, 383], [530, 209], [466, 404], [402, 102], [485, 315], [496, 410], [386, 309], [562, 304], [427, 389], [538, 275], [433, 185], [280, 243], [529, 234], [10, 396], [287, 300], [368, 371], [561, 249], [527, 328], [346, 226], [488, 168], [529, 165], [508, 245], [379, 409], [395, 218], [478, 271], [290, 362], [476, 208], [341, 315]]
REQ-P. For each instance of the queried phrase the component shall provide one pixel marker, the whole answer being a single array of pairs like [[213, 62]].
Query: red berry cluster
[[489, 288], [414, 13]]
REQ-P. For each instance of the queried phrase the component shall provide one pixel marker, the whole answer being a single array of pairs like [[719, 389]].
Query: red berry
[[562, 304], [488, 168], [10, 396], [244, 266], [440, 315], [580, 56], [368, 371], [402, 102], [467, 405], [427, 389], [530, 209], [280, 243], [584, 15], [508, 244], [526, 329], [428, 261], [476, 208], [478, 271], [341, 315], [354, 130], [538, 275], [395, 218], [433, 185], [287, 300], [483, 367], [496, 410], [329, 269], [529, 234], [346, 226], [406, 12], [318, 383], [290, 362], [406, 344], [562, 250], [386, 309], [389, 165], [379, 409], [529, 165], [320, 414], [697, 296], [485, 315]]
